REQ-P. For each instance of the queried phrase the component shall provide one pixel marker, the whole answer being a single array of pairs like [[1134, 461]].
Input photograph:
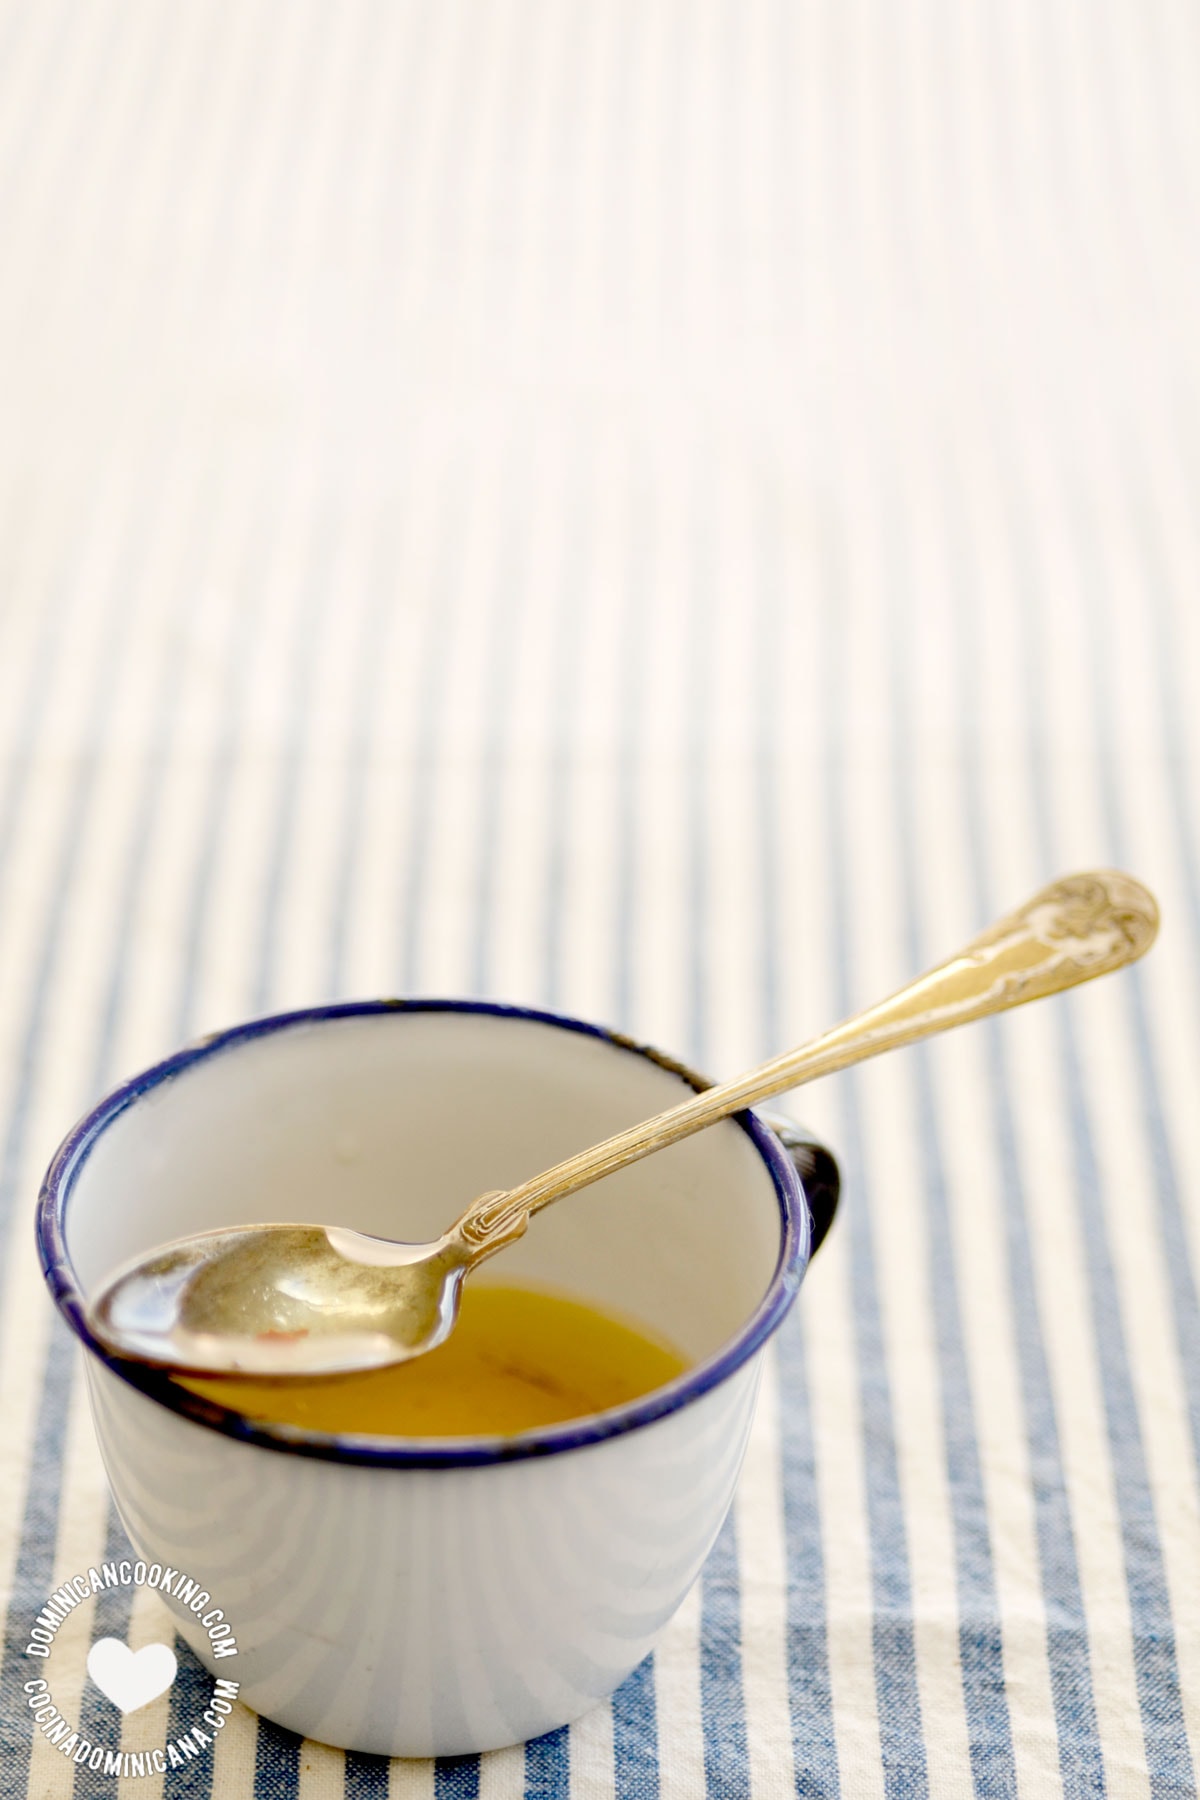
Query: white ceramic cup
[[416, 1597]]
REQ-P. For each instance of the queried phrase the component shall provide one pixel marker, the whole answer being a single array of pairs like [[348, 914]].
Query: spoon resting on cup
[[306, 1300]]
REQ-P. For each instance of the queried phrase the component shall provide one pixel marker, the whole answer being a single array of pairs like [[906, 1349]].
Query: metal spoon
[[278, 1300]]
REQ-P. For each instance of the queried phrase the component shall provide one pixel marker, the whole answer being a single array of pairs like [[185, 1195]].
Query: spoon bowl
[[240, 1300]]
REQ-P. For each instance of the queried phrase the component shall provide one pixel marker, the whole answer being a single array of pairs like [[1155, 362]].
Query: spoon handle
[[1075, 929]]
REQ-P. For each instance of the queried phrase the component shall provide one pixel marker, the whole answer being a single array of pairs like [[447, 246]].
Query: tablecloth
[[678, 513]]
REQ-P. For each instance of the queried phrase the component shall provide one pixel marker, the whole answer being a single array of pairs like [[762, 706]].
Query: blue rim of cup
[[380, 1452]]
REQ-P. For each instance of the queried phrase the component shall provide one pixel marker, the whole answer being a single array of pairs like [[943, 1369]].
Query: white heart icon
[[131, 1678]]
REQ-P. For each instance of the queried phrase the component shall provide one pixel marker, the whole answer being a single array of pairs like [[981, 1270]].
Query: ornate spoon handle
[[1079, 927]]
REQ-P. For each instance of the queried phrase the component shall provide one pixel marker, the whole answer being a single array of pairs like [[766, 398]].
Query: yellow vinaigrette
[[517, 1358]]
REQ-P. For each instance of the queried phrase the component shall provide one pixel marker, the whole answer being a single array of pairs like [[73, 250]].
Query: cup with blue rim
[[419, 1597]]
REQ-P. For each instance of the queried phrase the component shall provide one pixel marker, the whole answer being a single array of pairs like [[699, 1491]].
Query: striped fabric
[[678, 512]]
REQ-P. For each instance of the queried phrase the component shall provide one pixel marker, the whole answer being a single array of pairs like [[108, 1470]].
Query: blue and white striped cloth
[[679, 512]]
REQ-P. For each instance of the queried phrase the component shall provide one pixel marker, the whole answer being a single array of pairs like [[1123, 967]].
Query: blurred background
[[677, 513]]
